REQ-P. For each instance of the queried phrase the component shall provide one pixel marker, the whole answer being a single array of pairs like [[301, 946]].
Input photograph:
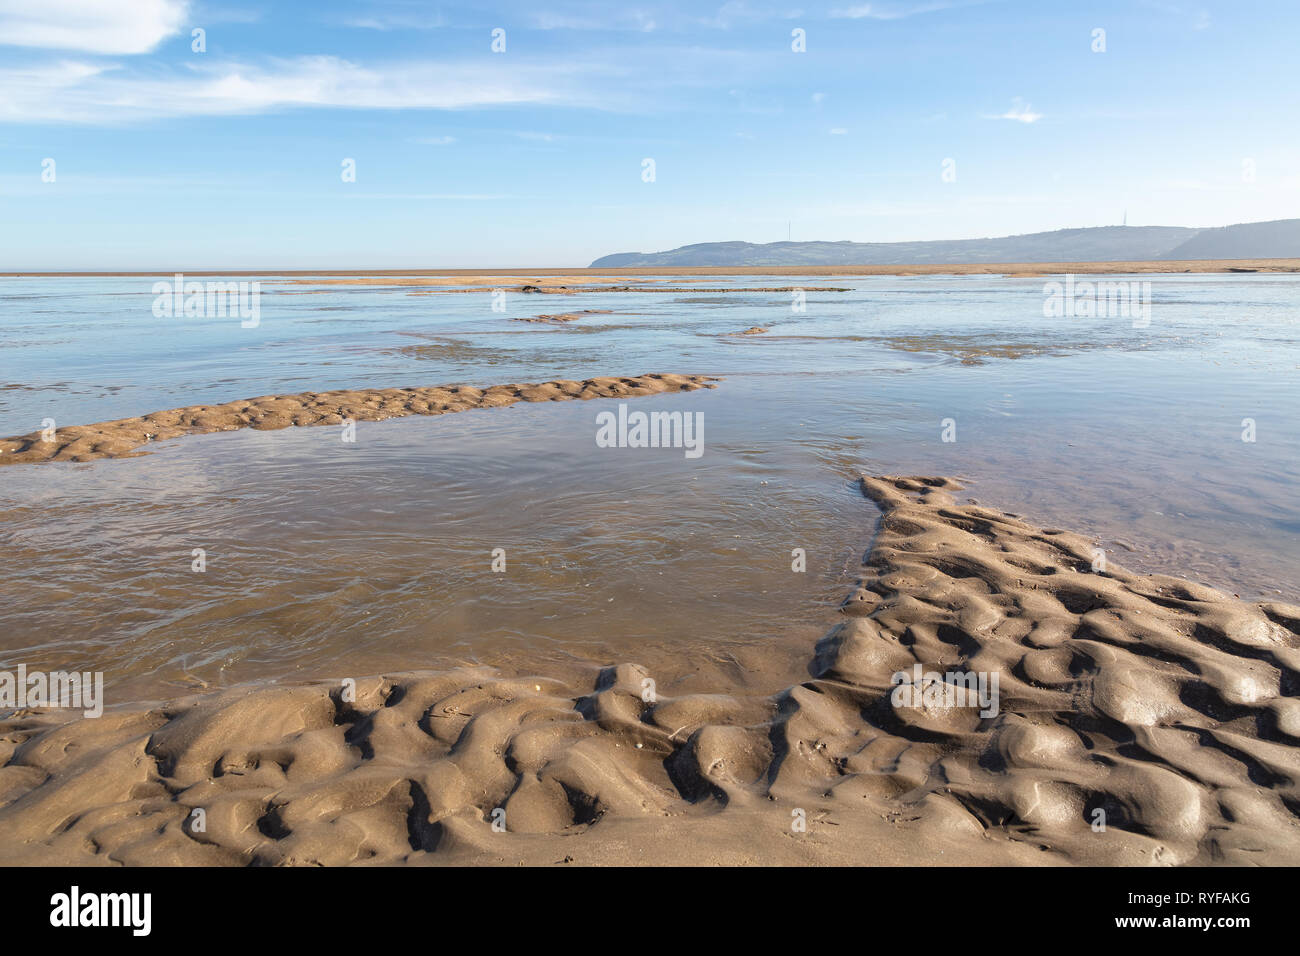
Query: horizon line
[[1287, 264]]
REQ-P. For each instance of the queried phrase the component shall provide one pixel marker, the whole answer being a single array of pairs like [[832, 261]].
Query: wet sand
[[123, 438], [561, 318], [576, 289], [1167, 706]]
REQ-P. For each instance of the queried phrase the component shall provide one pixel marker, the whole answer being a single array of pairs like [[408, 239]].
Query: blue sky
[[167, 158]]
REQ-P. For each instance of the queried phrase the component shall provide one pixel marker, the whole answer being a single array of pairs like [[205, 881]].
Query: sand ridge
[[562, 317], [576, 289], [1170, 707], [123, 437]]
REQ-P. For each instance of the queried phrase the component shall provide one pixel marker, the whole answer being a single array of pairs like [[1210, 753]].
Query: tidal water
[[325, 558]]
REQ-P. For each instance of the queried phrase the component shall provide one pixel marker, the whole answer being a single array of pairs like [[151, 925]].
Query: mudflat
[[1137, 719]]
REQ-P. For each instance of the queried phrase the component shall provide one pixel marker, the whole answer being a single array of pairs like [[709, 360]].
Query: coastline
[[1206, 266], [1164, 704]]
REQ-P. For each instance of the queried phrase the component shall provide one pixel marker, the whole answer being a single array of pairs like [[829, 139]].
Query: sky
[[403, 134]]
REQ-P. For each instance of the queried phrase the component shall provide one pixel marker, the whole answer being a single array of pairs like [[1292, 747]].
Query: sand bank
[[1141, 719], [122, 438], [648, 287], [561, 318]]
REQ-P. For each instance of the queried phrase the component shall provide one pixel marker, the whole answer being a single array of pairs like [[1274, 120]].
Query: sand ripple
[[1167, 706]]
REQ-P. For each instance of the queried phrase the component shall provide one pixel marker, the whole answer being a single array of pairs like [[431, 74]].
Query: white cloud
[[460, 197], [1197, 19], [436, 140], [385, 22], [226, 15], [76, 92], [839, 131], [91, 26], [590, 20], [897, 11], [1020, 111], [735, 12]]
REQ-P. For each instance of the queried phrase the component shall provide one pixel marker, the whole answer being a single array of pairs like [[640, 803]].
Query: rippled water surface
[[326, 558]]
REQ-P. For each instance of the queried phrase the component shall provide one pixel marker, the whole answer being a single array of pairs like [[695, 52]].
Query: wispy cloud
[[1020, 111], [899, 11], [205, 15], [609, 19], [82, 92], [1197, 18], [384, 22], [92, 26], [435, 140], [117, 91], [735, 12], [458, 197]]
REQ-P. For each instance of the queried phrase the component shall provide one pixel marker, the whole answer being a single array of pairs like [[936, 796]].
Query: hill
[[1259, 240]]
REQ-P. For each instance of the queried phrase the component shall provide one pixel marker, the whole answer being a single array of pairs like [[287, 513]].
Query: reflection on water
[[328, 559], [90, 349]]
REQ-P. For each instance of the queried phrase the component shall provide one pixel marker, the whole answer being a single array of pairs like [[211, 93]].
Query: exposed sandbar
[[123, 437], [561, 318]]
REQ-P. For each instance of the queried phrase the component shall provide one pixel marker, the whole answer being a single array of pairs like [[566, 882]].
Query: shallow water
[[326, 558]]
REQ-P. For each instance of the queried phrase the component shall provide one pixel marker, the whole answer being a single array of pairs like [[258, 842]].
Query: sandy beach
[[1142, 720], [860, 437], [346, 689]]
